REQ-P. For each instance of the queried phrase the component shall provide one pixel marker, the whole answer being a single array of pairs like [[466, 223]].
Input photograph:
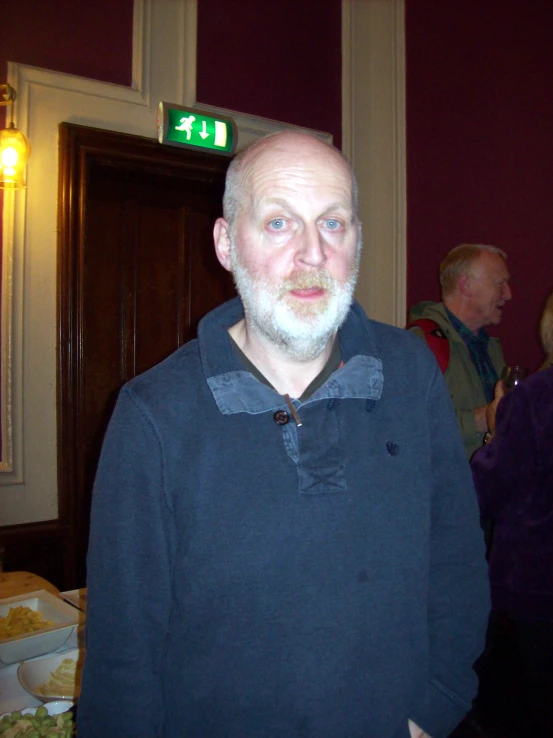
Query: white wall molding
[[373, 116], [348, 111], [189, 53], [11, 349], [141, 46], [8, 387], [161, 37]]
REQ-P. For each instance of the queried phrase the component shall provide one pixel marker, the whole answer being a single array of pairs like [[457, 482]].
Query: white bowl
[[28, 645], [75, 597], [53, 708], [33, 674]]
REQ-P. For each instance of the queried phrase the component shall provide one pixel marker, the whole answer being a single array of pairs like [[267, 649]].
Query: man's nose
[[312, 247], [507, 292]]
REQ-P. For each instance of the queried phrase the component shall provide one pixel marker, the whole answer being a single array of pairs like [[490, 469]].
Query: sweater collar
[[236, 390]]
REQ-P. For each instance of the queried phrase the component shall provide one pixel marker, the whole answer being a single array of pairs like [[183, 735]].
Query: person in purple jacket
[[513, 475]]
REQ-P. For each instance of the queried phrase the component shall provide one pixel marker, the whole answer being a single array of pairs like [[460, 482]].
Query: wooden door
[[136, 272]]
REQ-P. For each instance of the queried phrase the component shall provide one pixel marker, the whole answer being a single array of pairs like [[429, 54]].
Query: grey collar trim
[[240, 392]]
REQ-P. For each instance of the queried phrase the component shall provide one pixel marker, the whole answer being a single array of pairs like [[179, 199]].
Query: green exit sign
[[196, 129]]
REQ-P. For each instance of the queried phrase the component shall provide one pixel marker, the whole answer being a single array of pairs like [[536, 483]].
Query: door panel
[[137, 271]]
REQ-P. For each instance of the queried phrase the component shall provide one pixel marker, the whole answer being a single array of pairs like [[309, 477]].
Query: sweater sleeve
[[458, 590], [128, 581], [508, 464]]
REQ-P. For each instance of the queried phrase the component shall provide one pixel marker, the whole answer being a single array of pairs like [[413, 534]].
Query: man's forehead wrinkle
[[261, 203], [282, 184]]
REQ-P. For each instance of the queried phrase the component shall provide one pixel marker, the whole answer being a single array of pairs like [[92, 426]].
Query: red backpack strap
[[436, 340]]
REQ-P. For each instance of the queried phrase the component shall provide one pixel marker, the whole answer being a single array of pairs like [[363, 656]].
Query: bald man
[[284, 541]]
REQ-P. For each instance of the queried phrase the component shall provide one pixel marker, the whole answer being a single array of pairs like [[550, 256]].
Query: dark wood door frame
[[80, 148]]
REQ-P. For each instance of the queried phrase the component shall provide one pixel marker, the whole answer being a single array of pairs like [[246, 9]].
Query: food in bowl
[[55, 677], [20, 620], [61, 682], [60, 616], [37, 722]]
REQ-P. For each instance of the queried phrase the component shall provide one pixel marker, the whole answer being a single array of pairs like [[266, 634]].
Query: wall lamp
[[14, 148]]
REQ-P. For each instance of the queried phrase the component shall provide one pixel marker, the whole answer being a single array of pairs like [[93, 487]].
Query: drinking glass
[[513, 375]]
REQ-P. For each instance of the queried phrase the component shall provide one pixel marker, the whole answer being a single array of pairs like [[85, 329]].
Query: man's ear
[[465, 286], [221, 238]]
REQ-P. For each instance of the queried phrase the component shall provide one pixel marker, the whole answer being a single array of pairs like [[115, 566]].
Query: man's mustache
[[308, 280]]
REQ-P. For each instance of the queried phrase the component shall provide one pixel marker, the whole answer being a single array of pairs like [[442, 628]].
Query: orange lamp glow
[[14, 149], [14, 152]]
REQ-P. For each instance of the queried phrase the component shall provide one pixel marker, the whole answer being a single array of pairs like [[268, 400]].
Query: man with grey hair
[[475, 287], [284, 541]]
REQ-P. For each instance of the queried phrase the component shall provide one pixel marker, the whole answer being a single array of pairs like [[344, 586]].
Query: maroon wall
[[479, 148], [279, 59], [91, 39]]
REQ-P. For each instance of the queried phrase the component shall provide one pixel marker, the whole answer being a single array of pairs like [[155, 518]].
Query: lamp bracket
[[7, 94]]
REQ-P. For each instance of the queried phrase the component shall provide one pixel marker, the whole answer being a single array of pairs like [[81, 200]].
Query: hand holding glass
[[512, 375]]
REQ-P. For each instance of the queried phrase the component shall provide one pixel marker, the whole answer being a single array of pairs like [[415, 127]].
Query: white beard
[[301, 331]]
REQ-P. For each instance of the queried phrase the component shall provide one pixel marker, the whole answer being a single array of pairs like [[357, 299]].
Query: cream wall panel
[[374, 139]]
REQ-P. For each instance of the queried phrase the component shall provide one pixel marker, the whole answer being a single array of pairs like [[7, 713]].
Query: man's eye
[[277, 224], [332, 224]]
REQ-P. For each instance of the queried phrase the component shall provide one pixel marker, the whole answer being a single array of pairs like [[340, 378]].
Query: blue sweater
[[248, 579]]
